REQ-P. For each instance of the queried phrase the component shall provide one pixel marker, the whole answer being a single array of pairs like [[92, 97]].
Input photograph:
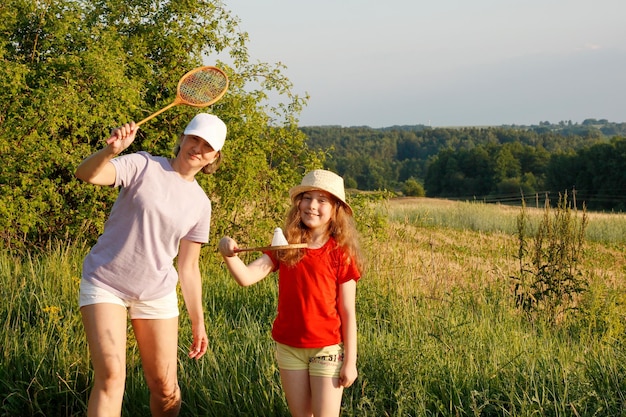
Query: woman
[[161, 214]]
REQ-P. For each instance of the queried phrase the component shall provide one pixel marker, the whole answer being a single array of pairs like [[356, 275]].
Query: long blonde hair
[[341, 227]]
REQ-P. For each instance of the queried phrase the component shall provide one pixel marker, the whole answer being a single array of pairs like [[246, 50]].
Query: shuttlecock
[[279, 238]]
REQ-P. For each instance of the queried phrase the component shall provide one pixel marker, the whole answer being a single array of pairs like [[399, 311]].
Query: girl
[[161, 213], [315, 328]]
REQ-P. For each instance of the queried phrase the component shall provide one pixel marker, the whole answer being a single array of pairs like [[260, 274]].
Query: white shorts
[[162, 308]]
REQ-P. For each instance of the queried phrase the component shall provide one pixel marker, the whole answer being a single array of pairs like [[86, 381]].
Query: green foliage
[[597, 172], [73, 70], [370, 213], [550, 282], [412, 188], [495, 164]]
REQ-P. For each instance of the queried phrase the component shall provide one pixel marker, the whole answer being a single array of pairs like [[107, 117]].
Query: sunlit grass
[[439, 334], [608, 228]]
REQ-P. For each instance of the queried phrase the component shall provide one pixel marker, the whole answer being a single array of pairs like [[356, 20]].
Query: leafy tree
[[403, 152], [597, 173], [513, 189], [506, 166], [411, 168], [73, 69], [436, 171]]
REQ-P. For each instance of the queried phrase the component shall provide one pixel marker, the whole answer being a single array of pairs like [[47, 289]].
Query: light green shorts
[[326, 361], [162, 308]]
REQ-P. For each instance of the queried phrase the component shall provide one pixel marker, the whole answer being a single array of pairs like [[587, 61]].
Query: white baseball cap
[[210, 128]]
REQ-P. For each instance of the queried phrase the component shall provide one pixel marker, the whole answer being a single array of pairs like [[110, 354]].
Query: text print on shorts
[[326, 360]]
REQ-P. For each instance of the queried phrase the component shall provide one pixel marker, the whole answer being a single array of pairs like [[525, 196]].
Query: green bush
[[73, 70], [412, 188]]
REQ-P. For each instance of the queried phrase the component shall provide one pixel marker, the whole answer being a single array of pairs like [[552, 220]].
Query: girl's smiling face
[[316, 209]]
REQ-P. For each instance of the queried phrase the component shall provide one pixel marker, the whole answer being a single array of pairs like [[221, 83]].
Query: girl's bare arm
[[347, 312], [245, 275]]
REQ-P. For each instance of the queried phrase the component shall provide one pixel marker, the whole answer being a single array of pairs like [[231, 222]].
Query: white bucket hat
[[210, 128], [321, 179]]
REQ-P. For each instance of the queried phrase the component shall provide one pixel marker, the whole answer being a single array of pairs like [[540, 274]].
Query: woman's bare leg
[[158, 345], [105, 327]]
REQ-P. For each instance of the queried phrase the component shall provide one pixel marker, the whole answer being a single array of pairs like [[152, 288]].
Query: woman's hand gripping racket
[[200, 87]]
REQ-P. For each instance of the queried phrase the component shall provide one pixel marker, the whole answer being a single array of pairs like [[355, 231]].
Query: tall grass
[[45, 369], [439, 333]]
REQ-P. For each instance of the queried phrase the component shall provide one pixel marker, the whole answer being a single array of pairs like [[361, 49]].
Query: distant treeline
[[494, 164]]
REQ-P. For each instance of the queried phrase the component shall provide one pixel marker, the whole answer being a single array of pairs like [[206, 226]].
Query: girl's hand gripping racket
[[200, 87], [264, 248], [279, 242]]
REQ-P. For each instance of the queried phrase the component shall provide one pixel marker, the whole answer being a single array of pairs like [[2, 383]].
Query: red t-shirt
[[308, 313]]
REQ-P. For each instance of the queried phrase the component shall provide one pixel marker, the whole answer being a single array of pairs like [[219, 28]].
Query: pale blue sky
[[445, 62]]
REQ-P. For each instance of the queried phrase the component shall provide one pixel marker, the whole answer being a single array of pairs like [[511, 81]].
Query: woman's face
[[316, 209], [196, 151]]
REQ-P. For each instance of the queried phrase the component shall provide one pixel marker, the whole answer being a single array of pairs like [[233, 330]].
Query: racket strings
[[202, 87]]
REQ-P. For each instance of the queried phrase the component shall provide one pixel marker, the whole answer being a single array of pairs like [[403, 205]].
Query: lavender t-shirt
[[155, 209]]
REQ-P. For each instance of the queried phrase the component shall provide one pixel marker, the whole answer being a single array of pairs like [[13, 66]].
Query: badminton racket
[[199, 87], [278, 247]]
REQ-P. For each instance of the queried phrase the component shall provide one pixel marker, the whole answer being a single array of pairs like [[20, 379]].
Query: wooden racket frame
[[180, 100], [278, 247]]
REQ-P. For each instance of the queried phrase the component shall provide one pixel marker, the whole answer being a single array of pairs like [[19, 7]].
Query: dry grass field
[[457, 242]]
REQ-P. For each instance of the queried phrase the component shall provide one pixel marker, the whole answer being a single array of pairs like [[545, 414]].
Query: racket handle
[[264, 248], [155, 114]]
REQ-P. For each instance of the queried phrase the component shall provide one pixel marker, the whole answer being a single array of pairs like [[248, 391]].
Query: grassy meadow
[[439, 332]]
